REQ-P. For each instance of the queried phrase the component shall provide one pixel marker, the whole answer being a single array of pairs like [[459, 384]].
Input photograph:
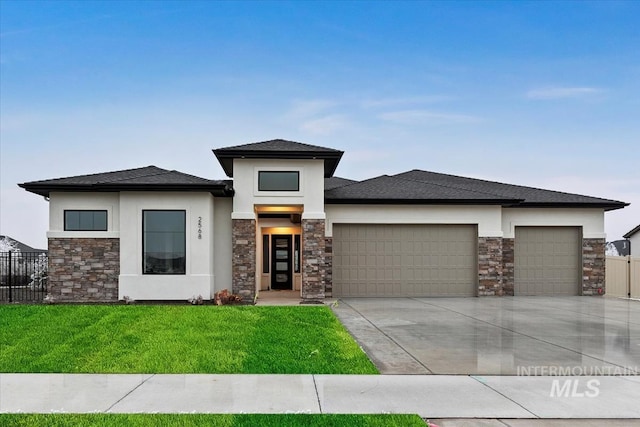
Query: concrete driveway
[[497, 336]]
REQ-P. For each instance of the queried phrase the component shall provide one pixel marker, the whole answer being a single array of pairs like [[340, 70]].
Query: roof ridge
[[511, 185], [359, 182], [163, 172], [457, 188]]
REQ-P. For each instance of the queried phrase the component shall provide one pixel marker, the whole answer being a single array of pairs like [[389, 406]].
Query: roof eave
[[632, 232], [221, 190], [226, 157], [574, 205], [352, 201]]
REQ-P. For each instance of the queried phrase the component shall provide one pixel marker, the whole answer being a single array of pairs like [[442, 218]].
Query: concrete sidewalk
[[430, 396]]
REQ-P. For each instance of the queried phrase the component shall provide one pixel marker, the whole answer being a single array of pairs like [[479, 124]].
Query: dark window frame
[[261, 173], [80, 211], [144, 272]]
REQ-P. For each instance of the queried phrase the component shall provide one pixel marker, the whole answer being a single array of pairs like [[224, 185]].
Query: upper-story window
[[77, 220], [279, 181]]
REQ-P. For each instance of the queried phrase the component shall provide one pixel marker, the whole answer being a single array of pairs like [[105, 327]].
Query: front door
[[281, 277]]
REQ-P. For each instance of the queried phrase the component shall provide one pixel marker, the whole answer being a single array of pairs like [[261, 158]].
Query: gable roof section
[[336, 181], [150, 178], [531, 197], [278, 149], [422, 187], [398, 190], [632, 232]]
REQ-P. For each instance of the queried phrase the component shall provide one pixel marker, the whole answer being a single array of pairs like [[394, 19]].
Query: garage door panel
[[405, 260], [547, 260]]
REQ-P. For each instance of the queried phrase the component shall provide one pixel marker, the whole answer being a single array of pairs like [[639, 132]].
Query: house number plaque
[[200, 227]]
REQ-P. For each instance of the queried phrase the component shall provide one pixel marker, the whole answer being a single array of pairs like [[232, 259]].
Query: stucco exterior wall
[[635, 244], [222, 244], [199, 278], [591, 220], [59, 202], [245, 183], [488, 218]]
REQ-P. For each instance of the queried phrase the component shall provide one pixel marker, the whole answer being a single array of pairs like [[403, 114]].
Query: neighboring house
[[633, 237], [21, 246], [619, 248], [285, 222]]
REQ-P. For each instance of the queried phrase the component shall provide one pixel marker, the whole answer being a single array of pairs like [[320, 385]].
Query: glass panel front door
[[281, 277]]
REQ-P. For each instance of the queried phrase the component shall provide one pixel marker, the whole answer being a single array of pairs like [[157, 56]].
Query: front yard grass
[[177, 339], [244, 420]]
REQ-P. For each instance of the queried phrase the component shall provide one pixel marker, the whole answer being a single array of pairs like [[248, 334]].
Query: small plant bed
[[177, 339], [187, 420]]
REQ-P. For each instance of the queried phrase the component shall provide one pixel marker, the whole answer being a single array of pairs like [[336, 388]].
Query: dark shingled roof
[[422, 187], [335, 182], [150, 178], [278, 149], [632, 232], [531, 196], [392, 189]]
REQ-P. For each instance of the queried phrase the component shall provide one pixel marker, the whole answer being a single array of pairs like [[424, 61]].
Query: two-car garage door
[[404, 260]]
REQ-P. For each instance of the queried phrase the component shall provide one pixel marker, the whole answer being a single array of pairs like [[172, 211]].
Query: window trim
[[64, 219], [184, 211], [262, 171]]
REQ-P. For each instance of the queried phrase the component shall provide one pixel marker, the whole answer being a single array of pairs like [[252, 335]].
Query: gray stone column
[[243, 247], [593, 266], [313, 261], [508, 272], [490, 266]]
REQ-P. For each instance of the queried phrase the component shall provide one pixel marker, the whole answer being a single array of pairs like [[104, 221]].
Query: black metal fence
[[23, 276]]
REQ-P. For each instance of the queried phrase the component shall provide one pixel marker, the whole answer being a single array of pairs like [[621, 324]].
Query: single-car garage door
[[547, 261], [400, 260]]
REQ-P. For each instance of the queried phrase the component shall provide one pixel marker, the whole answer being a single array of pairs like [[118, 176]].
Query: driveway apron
[[497, 336]]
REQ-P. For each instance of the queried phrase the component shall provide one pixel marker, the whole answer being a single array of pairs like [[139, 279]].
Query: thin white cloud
[[388, 102], [308, 108], [324, 125], [427, 117], [562, 92]]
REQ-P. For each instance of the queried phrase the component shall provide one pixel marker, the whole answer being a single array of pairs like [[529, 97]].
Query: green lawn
[[177, 339], [245, 420]]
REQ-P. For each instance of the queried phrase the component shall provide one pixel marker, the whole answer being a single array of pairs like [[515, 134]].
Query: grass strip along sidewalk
[[167, 339], [244, 420]]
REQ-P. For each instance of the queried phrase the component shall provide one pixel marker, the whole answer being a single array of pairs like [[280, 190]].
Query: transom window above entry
[[278, 181]]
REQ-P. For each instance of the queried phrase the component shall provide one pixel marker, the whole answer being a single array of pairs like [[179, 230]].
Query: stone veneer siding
[[328, 263], [489, 266], [593, 266], [313, 261], [84, 269], [243, 245], [508, 278]]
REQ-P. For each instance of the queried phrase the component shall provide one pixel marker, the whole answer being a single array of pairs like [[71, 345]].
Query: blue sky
[[545, 94]]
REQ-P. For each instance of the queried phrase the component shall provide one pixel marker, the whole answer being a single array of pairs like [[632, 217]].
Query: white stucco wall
[[199, 277], [245, 184], [635, 244], [222, 244], [488, 218], [59, 202], [591, 220]]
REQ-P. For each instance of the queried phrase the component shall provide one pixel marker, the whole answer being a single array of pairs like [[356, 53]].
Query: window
[[278, 181], [163, 242], [85, 220], [265, 253]]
